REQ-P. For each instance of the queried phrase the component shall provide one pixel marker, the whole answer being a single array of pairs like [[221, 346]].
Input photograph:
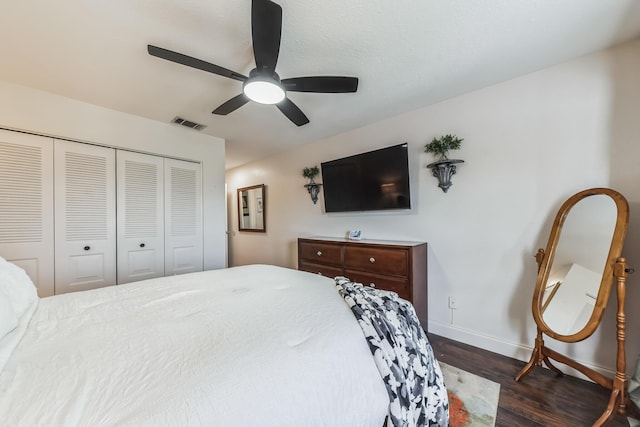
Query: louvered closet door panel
[[183, 217], [85, 220], [26, 206], [140, 219]]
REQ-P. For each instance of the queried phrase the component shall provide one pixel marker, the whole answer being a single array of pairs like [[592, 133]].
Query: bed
[[244, 346]]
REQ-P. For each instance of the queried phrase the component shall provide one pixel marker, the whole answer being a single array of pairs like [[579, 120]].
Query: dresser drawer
[[399, 286], [388, 261], [322, 253], [320, 269]]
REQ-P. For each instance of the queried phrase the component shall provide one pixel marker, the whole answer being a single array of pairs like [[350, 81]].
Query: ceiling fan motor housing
[[263, 87]]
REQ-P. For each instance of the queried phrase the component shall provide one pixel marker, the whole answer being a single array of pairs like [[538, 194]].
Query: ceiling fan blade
[[266, 30], [321, 84], [292, 112], [189, 61], [231, 105]]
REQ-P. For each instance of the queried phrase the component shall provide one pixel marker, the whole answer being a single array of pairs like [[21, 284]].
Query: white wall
[[27, 109], [530, 143]]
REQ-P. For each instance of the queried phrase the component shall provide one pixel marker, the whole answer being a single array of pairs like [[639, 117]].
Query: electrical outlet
[[452, 303]]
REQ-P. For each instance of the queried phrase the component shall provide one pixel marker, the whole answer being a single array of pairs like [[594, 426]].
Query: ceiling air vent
[[187, 123]]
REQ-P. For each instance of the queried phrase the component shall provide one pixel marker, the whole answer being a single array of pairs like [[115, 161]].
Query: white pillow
[[8, 318], [17, 286]]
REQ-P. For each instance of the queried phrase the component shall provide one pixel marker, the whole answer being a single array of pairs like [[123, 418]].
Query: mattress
[[244, 346]]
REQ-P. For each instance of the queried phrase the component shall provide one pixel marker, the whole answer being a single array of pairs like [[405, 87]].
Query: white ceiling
[[407, 54]]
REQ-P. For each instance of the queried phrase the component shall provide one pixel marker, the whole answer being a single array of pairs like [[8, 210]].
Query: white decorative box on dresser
[[391, 265]]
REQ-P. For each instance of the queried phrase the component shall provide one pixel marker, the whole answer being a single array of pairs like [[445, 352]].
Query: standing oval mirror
[[252, 209], [576, 272], [576, 275]]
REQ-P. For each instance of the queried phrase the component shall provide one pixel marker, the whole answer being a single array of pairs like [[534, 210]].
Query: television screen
[[376, 180]]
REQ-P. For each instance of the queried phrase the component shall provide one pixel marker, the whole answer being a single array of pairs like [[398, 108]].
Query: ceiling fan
[[263, 84]]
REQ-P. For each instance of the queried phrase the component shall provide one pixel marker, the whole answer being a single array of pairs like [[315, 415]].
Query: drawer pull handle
[[373, 285], [86, 248], [372, 260], [319, 253]]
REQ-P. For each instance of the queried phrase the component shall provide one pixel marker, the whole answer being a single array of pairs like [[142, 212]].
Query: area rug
[[473, 400]]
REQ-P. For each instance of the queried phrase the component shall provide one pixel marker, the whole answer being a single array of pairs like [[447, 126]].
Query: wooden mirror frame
[[260, 187], [615, 250], [615, 268]]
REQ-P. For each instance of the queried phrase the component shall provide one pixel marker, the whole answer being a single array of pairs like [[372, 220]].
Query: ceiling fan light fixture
[[263, 91]]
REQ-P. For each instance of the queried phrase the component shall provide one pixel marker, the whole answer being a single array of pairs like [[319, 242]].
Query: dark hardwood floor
[[539, 399]]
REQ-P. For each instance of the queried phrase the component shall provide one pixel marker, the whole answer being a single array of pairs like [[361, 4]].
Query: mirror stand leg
[[528, 367], [550, 365], [617, 394], [619, 389], [536, 357]]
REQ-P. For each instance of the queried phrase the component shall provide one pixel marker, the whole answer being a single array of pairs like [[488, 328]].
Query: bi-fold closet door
[[77, 216], [183, 217], [85, 221], [140, 216], [26, 206], [126, 217], [159, 217]]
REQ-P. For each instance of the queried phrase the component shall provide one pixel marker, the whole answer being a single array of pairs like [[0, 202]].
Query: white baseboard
[[505, 348]]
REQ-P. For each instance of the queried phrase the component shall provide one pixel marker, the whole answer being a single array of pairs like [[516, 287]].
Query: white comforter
[[246, 346]]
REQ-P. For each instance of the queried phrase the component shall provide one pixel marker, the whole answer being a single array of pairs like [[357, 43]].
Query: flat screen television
[[372, 181]]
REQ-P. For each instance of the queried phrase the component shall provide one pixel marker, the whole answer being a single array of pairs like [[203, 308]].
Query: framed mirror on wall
[[576, 273], [252, 212]]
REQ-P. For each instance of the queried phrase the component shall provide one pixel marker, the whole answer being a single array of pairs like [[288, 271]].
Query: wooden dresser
[[391, 265]]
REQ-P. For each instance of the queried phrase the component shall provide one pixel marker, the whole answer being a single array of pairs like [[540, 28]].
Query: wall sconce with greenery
[[312, 187], [443, 168]]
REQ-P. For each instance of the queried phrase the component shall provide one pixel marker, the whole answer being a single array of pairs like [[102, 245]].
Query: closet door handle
[[142, 245], [86, 248]]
